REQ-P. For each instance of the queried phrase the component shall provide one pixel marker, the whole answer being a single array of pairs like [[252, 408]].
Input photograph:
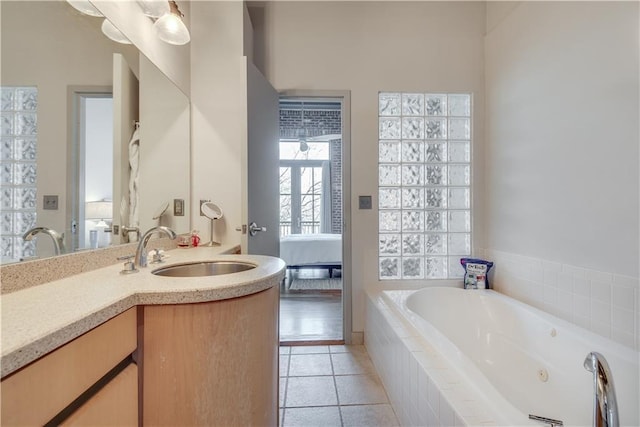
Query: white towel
[[134, 196]]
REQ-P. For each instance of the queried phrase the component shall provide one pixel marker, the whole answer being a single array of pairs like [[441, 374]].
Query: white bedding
[[304, 249]]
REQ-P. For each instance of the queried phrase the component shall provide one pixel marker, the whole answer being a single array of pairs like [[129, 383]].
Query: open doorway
[[91, 160], [311, 219]]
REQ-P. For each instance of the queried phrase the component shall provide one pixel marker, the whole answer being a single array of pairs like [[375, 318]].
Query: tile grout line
[[335, 386]]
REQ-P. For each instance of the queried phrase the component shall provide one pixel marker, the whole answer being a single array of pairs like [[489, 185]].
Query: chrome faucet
[[141, 252], [605, 406], [58, 239]]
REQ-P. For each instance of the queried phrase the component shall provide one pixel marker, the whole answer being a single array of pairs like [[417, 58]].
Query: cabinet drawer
[[36, 393], [116, 404]]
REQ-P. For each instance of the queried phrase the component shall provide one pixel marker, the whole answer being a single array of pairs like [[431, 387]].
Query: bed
[[312, 251]]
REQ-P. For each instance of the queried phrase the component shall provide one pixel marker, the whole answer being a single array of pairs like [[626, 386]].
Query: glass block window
[[18, 164], [424, 184]]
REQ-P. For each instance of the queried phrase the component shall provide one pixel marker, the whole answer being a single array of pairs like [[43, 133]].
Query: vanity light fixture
[[85, 6], [170, 28], [154, 8], [109, 30]]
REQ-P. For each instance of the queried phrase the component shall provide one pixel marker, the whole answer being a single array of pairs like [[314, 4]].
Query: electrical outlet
[[201, 203], [178, 207], [50, 203]]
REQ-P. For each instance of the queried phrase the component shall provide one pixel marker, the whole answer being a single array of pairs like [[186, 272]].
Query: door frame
[[345, 97], [75, 158]]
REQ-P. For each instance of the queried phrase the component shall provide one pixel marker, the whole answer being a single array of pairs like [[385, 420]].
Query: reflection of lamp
[[85, 7], [99, 211], [109, 30], [170, 28], [168, 25]]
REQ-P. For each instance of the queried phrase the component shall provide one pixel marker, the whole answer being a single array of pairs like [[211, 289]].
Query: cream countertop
[[41, 318]]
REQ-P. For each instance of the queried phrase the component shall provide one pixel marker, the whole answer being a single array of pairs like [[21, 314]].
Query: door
[[262, 199], [125, 115]]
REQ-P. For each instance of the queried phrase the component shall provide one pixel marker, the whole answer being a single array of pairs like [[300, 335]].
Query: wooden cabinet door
[[212, 364], [116, 404]]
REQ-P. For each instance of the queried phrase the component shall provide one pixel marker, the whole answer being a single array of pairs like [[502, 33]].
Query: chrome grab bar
[[605, 406]]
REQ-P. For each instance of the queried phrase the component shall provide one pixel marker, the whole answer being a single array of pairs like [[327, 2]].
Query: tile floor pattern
[[331, 386]]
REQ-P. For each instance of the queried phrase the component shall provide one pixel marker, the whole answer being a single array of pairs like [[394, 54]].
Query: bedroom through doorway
[[311, 220]]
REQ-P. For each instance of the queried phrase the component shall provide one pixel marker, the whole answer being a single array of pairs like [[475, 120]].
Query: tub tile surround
[[605, 303], [422, 388]]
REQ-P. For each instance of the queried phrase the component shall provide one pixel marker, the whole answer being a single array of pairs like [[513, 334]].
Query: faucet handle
[[158, 256], [129, 266]]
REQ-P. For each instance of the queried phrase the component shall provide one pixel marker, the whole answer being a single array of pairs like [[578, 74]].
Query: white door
[[125, 113], [263, 199]]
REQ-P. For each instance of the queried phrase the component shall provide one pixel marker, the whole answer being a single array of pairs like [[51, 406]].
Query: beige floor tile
[[360, 390], [284, 365], [325, 416], [369, 416], [284, 349], [309, 365], [351, 364], [310, 391], [354, 349], [309, 349]]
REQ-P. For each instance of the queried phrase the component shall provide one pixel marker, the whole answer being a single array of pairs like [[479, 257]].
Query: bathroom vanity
[[104, 348]]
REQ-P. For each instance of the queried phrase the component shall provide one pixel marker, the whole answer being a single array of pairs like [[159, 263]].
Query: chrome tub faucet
[[605, 406]]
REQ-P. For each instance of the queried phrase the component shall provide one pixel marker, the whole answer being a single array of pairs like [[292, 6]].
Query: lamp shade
[[85, 6], [170, 28], [154, 8], [98, 210], [109, 30]]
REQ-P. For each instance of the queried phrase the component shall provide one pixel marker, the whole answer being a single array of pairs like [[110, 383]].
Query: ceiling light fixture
[[109, 30], [85, 6], [170, 28]]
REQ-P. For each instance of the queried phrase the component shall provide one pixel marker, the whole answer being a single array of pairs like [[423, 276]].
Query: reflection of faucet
[[605, 407], [126, 230], [58, 239], [141, 252]]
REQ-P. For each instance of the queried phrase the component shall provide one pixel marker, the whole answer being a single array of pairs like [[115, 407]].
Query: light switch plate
[[364, 202], [178, 207], [50, 203]]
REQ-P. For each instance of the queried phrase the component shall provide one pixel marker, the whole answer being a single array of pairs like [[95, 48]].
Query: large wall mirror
[[81, 114]]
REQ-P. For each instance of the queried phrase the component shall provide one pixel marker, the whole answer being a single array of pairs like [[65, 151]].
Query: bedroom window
[[424, 184]]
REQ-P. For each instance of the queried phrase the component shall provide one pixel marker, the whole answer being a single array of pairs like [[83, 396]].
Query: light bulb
[[85, 6], [109, 30], [154, 8], [170, 28]]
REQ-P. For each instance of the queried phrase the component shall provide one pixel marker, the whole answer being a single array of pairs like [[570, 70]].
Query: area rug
[[316, 284]]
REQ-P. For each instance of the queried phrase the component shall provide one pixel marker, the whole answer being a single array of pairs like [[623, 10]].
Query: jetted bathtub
[[489, 359]]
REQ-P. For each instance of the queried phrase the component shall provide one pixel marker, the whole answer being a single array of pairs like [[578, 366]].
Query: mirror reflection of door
[[92, 166]]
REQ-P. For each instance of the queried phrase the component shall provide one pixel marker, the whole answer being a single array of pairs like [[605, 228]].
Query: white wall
[[562, 185], [219, 116], [164, 149], [366, 47], [562, 134]]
